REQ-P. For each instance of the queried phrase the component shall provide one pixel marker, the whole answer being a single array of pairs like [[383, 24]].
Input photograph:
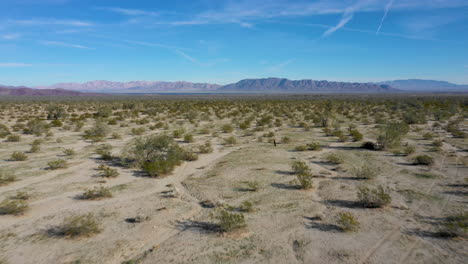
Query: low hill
[[25, 91], [417, 85]]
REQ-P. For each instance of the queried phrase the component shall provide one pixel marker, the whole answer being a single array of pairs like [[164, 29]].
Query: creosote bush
[[455, 226], [13, 207], [6, 177], [347, 222], [228, 221], [69, 152], [57, 164], [96, 193], [373, 198], [156, 154], [18, 156], [98, 132], [78, 226], [366, 171], [423, 160], [303, 174], [230, 141], [334, 158], [13, 138]]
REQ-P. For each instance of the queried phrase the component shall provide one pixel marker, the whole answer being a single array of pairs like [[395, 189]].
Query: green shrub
[[428, 136], [285, 140], [108, 172], [98, 132], [206, 148], [303, 174], [35, 148], [408, 150], [392, 134], [455, 226], [228, 221], [423, 160], [366, 171], [13, 138], [13, 207], [156, 154], [18, 156], [314, 146], [300, 148], [138, 131], [334, 158], [6, 177], [230, 141], [227, 128], [96, 193], [56, 123], [347, 222], [178, 133], [189, 155], [188, 138], [252, 186], [21, 196], [36, 127], [247, 207], [356, 135], [373, 198], [116, 136], [4, 131], [79, 226], [104, 151], [57, 164]]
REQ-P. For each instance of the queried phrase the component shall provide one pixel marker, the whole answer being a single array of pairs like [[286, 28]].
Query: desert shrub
[[188, 138], [35, 148], [155, 154], [246, 206], [428, 136], [57, 164], [21, 196], [116, 136], [69, 152], [104, 112], [98, 132], [408, 150], [347, 222], [392, 134], [178, 133], [455, 226], [4, 131], [314, 146], [138, 131], [189, 155], [13, 207], [55, 112], [6, 176], [334, 158], [230, 141], [303, 174], [96, 193], [78, 226], [205, 148], [252, 186], [437, 143], [373, 198], [356, 135], [104, 151], [56, 123], [285, 140], [228, 221], [227, 128], [300, 148], [18, 156], [13, 138], [108, 172], [366, 171], [36, 127], [423, 160]]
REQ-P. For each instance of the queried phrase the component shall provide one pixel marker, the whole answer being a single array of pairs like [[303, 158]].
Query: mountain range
[[265, 85]]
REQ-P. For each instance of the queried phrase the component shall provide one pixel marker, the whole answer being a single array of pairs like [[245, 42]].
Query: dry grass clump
[[13, 207], [96, 193], [6, 176], [57, 164], [77, 226], [18, 156], [373, 198]]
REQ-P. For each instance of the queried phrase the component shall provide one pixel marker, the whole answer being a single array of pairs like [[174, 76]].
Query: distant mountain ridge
[[135, 86], [266, 85], [418, 85], [25, 91], [281, 85]]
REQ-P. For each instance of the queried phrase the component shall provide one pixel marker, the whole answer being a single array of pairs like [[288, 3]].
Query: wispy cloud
[[387, 9], [63, 44], [14, 65], [279, 67], [11, 36], [130, 12], [42, 22], [347, 16]]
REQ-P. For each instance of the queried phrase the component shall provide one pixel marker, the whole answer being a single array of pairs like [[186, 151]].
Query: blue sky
[[221, 41]]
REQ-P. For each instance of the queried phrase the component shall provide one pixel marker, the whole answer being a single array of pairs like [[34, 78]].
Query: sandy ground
[[287, 225]]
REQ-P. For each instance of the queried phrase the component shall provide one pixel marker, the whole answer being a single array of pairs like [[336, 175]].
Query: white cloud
[[63, 44], [14, 65], [42, 22], [347, 16], [130, 12], [11, 36], [387, 9]]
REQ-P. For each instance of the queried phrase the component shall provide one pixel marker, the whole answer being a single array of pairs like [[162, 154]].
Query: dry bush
[[57, 164], [6, 176], [96, 193], [13, 207], [77, 226], [373, 198], [18, 156]]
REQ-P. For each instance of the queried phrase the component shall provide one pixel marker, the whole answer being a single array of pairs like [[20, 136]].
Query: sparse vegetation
[[78, 226], [372, 198], [228, 221], [18, 156], [96, 193], [13, 207], [57, 164], [347, 222]]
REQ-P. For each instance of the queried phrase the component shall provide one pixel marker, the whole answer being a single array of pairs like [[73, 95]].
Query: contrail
[[387, 8]]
